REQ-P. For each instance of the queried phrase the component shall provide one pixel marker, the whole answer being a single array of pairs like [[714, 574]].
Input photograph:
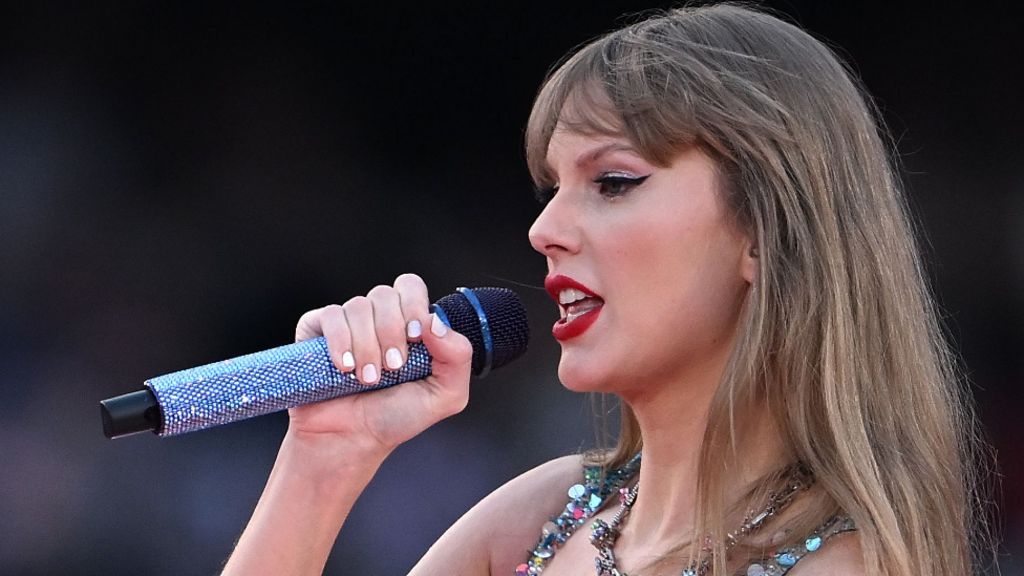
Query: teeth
[[575, 315], [570, 295]]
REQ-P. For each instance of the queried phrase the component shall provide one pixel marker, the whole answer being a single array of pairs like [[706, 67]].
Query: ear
[[750, 262]]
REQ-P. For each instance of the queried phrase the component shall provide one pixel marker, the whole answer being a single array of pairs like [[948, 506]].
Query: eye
[[615, 184], [545, 194]]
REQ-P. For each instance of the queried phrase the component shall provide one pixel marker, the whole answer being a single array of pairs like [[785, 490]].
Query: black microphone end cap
[[130, 414]]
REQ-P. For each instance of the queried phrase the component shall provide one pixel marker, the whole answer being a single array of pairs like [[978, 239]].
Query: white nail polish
[[414, 329], [369, 374], [348, 360], [438, 327], [393, 358]]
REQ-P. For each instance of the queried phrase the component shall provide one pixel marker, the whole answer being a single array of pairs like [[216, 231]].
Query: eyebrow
[[593, 155], [596, 153]]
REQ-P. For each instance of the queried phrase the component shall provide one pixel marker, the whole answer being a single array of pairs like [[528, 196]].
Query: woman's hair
[[839, 342]]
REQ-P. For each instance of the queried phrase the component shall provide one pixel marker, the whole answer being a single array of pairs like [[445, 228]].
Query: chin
[[584, 377]]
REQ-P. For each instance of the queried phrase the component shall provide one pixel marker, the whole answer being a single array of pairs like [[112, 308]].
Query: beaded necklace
[[586, 499], [604, 534]]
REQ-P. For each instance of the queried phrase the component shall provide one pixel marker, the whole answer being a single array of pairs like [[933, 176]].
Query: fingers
[[334, 327], [415, 304], [365, 346], [370, 334]]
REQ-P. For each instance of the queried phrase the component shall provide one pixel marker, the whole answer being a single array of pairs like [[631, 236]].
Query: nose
[[555, 231]]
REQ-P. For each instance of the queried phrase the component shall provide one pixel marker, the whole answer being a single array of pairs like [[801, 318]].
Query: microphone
[[493, 319]]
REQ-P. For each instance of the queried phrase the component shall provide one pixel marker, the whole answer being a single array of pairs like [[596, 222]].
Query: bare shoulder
[[840, 556], [539, 486], [531, 498], [497, 533]]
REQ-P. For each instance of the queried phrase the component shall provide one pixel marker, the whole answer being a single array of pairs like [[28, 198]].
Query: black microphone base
[[130, 414]]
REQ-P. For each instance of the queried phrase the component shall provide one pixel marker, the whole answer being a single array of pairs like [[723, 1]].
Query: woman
[[732, 259]]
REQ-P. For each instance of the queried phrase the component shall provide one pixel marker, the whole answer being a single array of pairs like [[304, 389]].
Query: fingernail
[[369, 374], [348, 360], [438, 327], [414, 329], [393, 358]]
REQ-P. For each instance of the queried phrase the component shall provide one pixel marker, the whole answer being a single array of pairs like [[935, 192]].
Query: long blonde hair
[[839, 340]]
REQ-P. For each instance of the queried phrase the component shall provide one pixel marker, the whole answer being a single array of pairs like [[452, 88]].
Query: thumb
[[452, 352]]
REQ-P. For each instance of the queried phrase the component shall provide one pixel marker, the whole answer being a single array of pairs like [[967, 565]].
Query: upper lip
[[554, 284]]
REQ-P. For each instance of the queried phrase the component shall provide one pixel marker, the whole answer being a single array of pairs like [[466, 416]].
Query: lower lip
[[563, 330]]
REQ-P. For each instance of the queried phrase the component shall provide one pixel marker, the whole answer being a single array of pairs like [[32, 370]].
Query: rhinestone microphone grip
[[279, 378], [265, 382]]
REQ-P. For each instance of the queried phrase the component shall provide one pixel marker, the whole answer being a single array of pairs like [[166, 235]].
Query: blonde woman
[[732, 259]]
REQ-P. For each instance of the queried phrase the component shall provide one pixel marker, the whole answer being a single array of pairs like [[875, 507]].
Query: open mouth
[[575, 303], [579, 307]]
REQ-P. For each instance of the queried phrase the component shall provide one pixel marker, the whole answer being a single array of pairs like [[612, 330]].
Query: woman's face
[[648, 266]]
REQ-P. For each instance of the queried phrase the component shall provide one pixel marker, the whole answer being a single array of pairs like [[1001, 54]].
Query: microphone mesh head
[[510, 331]]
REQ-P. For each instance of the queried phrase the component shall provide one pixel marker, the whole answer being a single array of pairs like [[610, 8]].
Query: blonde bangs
[[604, 89]]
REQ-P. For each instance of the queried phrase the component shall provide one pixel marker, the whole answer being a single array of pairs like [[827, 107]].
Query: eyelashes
[[614, 185], [610, 185]]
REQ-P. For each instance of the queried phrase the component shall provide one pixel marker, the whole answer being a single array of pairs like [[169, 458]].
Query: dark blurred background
[[179, 181]]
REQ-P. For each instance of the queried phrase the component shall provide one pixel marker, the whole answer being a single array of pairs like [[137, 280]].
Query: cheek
[[686, 290]]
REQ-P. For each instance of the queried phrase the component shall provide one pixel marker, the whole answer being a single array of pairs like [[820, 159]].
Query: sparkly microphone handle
[[265, 382], [492, 319]]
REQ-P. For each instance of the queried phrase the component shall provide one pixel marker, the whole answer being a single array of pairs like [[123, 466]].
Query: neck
[[672, 427], [673, 421]]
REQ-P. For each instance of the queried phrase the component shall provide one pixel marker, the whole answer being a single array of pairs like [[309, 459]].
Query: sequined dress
[[588, 497]]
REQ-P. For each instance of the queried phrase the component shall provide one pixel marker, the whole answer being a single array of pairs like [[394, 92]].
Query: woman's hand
[[333, 448], [368, 335]]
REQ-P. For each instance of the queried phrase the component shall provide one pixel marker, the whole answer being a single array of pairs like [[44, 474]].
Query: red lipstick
[[579, 314]]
